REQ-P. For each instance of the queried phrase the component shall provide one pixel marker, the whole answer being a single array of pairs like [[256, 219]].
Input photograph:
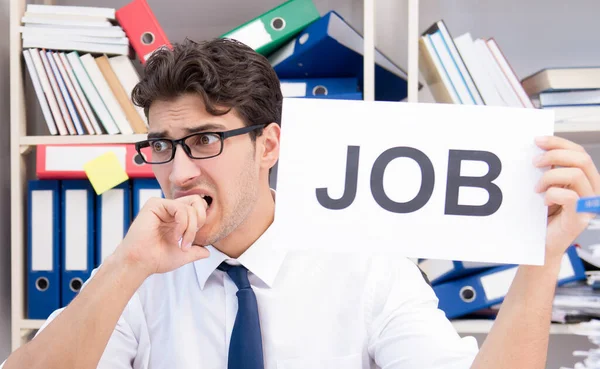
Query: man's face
[[231, 179]]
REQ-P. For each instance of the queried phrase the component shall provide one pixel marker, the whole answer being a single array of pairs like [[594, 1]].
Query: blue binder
[[318, 87], [43, 248], [439, 271], [469, 294], [142, 190], [331, 48], [77, 245], [113, 217]]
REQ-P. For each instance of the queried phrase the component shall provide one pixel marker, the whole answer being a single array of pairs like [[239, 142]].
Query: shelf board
[[32, 323], [483, 326], [583, 132], [82, 139]]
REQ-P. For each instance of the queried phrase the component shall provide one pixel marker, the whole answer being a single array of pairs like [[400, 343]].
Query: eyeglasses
[[201, 145]]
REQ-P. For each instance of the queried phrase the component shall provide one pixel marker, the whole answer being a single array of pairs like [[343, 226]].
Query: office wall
[[4, 184], [533, 34]]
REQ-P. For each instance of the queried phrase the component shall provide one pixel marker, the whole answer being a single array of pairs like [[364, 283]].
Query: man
[[198, 283]]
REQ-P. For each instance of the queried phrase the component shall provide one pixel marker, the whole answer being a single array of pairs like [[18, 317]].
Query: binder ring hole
[[319, 90], [76, 284], [138, 160], [278, 23], [42, 284], [467, 294], [147, 38], [303, 39]]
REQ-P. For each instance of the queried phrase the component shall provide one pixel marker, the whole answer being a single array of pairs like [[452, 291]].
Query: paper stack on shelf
[[573, 93], [85, 29], [591, 358]]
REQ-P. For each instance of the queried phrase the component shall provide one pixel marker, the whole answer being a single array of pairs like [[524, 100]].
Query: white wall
[[4, 185], [533, 34]]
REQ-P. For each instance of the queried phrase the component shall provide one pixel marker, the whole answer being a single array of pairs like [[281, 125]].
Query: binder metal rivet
[[147, 38], [467, 294], [278, 23], [42, 284]]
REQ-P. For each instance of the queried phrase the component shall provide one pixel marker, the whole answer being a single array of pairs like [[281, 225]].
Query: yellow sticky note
[[105, 172]]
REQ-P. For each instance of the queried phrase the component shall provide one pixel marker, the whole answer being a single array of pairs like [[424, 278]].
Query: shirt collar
[[262, 259]]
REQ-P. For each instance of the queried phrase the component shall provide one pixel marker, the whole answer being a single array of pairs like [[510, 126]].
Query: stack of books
[[572, 92], [78, 60], [462, 70]]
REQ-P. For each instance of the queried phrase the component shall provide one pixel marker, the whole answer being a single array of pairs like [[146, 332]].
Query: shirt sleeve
[[123, 349], [406, 328]]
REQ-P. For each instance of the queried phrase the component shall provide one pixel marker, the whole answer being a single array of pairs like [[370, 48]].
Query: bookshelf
[[21, 142]]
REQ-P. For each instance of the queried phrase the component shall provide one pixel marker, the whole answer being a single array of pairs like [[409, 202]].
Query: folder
[[113, 217], [43, 248], [318, 87], [77, 246], [142, 28], [67, 161], [469, 294], [144, 189], [272, 29], [332, 48], [439, 271]]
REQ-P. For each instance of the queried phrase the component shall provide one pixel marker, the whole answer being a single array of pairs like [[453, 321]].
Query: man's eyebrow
[[190, 130]]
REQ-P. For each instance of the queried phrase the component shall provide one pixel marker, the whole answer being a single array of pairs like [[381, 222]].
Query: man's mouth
[[208, 199]]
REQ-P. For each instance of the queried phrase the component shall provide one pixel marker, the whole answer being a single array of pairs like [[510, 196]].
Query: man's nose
[[184, 169]]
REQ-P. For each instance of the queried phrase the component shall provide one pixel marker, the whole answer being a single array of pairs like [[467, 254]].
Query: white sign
[[435, 181]]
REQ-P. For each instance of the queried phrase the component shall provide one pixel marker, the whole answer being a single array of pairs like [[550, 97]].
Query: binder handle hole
[[319, 90], [76, 284], [467, 294], [138, 160], [278, 23], [42, 284], [147, 38]]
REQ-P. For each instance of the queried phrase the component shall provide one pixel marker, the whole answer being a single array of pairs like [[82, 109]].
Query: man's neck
[[257, 222]]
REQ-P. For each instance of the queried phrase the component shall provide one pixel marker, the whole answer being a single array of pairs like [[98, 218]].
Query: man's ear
[[270, 141]]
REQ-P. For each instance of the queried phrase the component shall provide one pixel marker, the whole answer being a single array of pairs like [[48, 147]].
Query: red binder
[[141, 27], [66, 161]]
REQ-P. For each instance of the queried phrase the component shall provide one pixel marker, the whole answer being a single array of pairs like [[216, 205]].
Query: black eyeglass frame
[[222, 135]]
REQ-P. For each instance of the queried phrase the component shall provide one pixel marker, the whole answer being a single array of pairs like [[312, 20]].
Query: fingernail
[[541, 139], [179, 242], [187, 246], [537, 159]]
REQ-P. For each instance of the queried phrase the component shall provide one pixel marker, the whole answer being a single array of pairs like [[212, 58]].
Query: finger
[[192, 227], [561, 196], [573, 178], [570, 158], [196, 253], [200, 206], [177, 213], [556, 142]]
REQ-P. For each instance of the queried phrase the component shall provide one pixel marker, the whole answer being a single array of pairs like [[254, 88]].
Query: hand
[[572, 175], [161, 237]]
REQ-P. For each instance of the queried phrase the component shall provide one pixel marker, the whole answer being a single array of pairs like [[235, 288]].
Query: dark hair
[[224, 72]]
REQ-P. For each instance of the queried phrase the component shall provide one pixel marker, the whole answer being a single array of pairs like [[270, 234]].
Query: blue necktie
[[245, 346]]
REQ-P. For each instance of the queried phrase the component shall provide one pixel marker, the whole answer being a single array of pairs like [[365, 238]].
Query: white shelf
[[484, 326], [580, 132], [83, 139], [30, 324]]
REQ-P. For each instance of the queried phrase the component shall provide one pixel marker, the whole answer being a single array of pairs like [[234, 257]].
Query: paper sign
[[436, 181], [105, 172]]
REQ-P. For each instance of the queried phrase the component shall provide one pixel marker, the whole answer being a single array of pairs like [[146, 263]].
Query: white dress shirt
[[317, 311]]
